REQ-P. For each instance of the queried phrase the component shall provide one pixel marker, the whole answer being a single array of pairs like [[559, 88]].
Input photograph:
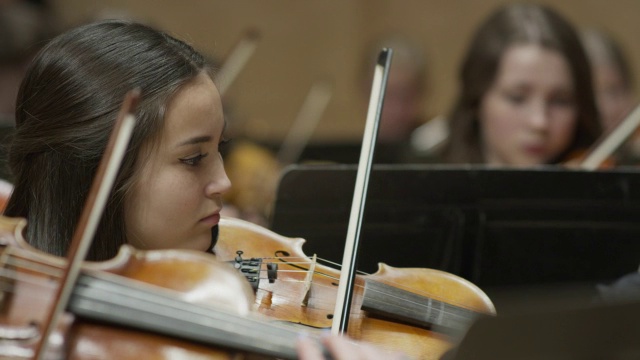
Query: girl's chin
[[199, 243], [204, 244], [520, 163], [526, 160]]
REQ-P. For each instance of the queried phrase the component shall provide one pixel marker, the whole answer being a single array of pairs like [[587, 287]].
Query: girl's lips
[[534, 149], [211, 220]]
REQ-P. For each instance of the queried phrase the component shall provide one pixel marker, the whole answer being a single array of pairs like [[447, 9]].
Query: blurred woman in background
[[526, 95], [612, 76]]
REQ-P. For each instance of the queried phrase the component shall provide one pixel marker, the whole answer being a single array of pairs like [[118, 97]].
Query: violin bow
[[305, 123], [611, 141], [236, 60], [347, 274], [92, 212]]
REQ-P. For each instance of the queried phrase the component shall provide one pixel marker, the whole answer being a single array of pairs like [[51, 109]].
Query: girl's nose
[[219, 183], [538, 117]]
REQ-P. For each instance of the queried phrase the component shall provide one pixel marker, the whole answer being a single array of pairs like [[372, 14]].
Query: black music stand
[[495, 227]]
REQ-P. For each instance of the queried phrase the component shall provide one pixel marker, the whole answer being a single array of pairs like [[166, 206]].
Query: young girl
[[168, 191], [526, 94]]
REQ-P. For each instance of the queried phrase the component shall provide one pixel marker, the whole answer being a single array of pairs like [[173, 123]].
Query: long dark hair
[[509, 25], [65, 111]]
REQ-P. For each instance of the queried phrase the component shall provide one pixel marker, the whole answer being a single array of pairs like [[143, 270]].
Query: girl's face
[[528, 115], [177, 196]]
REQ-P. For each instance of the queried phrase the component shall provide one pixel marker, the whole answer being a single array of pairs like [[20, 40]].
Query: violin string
[[452, 303], [51, 271], [339, 265], [32, 265], [24, 277], [328, 305], [306, 261], [285, 259], [322, 306], [407, 303], [37, 280], [415, 303], [39, 268], [393, 283], [248, 327], [198, 310]]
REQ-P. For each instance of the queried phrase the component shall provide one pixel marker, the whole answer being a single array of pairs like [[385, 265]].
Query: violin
[[417, 311], [160, 304]]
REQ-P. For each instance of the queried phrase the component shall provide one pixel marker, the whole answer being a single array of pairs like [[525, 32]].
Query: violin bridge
[[308, 279]]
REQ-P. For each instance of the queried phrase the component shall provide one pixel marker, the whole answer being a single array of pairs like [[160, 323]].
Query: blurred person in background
[[614, 86], [526, 96], [612, 76]]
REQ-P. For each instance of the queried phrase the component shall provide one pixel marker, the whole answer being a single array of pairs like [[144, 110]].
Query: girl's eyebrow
[[195, 140], [202, 139]]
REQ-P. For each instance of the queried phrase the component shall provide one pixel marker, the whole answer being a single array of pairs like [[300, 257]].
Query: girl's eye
[[194, 160], [515, 98], [562, 101]]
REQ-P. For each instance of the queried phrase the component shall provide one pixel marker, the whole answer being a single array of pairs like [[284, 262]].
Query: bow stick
[[347, 274], [611, 141]]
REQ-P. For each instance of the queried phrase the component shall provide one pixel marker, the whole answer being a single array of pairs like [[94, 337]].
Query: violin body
[[305, 292], [30, 278]]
